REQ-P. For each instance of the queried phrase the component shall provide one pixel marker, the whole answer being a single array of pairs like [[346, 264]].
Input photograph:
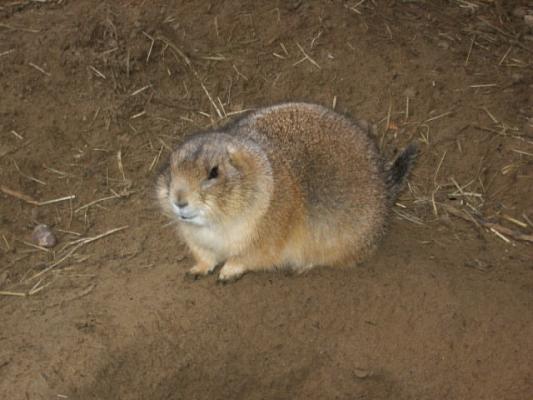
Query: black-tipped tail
[[398, 172]]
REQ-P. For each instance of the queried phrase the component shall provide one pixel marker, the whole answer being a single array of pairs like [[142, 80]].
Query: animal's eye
[[213, 173]]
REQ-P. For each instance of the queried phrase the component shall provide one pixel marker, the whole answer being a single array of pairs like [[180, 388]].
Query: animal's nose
[[181, 203], [181, 199]]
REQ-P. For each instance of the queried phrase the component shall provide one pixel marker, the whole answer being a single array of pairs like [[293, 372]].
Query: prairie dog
[[292, 185]]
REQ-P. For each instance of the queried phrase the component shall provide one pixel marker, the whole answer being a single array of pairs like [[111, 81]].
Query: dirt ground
[[93, 95]]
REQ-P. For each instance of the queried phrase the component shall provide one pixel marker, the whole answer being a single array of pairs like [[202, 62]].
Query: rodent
[[294, 185]]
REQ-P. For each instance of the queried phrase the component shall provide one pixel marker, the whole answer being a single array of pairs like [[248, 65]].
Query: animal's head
[[210, 178]]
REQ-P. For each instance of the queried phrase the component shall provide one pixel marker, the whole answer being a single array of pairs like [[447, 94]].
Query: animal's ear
[[239, 157], [231, 149]]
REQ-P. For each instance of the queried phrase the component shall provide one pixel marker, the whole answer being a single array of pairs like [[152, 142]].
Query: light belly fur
[[223, 241]]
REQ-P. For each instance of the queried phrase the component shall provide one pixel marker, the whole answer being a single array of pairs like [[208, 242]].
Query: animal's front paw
[[303, 269], [230, 272], [200, 269]]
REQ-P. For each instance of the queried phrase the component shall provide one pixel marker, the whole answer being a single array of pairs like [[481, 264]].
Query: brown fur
[[297, 185]]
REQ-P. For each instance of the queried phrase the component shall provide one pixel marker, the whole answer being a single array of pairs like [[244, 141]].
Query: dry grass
[[472, 199], [74, 246], [30, 200]]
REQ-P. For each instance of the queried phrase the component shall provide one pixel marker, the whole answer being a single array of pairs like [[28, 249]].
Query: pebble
[[43, 236], [361, 373]]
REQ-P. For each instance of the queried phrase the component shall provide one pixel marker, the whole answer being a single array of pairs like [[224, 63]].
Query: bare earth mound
[[94, 95]]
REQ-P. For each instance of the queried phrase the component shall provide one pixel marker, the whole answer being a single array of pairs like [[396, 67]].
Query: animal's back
[[338, 170]]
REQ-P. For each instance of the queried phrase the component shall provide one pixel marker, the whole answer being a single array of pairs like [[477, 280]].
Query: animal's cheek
[[210, 204], [162, 189], [205, 199]]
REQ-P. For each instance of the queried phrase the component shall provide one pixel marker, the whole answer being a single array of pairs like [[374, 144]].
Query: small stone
[[516, 77], [361, 373], [43, 236]]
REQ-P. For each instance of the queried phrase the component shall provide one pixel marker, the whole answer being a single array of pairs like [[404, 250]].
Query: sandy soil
[[93, 95]]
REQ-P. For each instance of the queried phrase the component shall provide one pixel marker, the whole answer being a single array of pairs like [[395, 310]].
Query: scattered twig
[[98, 73], [44, 203], [139, 114], [31, 178], [30, 200], [438, 116], [438, 168], [492, 117], [156, 159], [511, 232], [92, 203], [483, 85], [39, 69], [305, 57], [5, 53], [17, 294], [239, 73], [495, 228], [470, 50], [77, 244], [17, 135], [34, 290], [120, 165], [178, 53], [36, 246], [524, 153], [17, 28], [409, 217], [505, 55], [8, 247], [515, 221], [527, 219], [151, 45], [497, 233], [18, 195], [136, 92]]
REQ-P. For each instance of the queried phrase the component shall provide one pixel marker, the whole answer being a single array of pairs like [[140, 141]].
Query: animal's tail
[[397, 173]]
